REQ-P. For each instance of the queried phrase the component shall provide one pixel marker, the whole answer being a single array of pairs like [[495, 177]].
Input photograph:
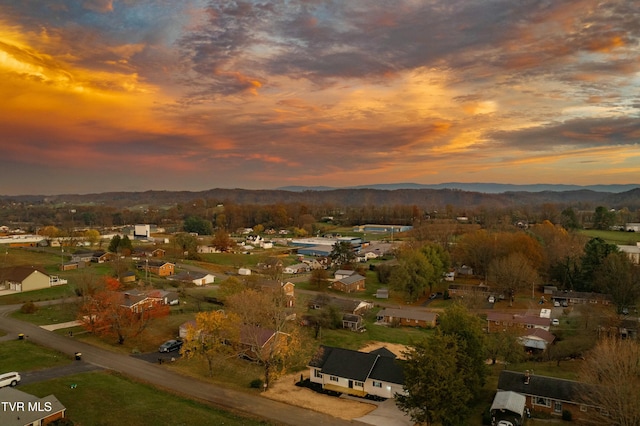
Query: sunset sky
[[132, 95]]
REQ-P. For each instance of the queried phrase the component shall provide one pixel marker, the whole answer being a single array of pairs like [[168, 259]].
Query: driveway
[[153, 373], [387, 414]]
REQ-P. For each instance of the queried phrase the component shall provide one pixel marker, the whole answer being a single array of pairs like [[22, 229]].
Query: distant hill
[[489, 188], [426, 198]]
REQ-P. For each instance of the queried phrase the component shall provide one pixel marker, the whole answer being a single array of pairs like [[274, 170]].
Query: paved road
[[155, 374]]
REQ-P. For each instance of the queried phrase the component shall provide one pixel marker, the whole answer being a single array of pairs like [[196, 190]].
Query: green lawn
[[51, 293], [103, 398], [22, 355], [613, 237], [54, 314]]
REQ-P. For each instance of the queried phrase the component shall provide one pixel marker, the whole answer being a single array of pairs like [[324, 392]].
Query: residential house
[[357, 373], [498, 322], [207, 249], [141, 300], [287, 287], [101, 257], [157, 267], [144, 252], [26, 278], [82, 256], [536, 340], [353, 322], [342, 273], [509, 406], [467, 290], [382, 293], [549, 395], [349, 306], [407, 317], [579, 297], [350, 284], [298, 268], [197, 278], [23, 409], [632, 252]]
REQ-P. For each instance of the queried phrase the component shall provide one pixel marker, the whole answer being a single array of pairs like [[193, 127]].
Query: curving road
[[228, 399]]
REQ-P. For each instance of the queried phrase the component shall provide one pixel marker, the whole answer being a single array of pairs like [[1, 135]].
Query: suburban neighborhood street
[[231, 400]]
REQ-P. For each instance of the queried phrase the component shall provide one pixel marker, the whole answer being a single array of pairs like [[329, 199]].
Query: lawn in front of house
[[53, 314], [22, 355], [104, 398]]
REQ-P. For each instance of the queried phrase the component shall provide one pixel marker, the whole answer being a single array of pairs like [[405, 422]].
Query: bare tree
[[612, 371], [513, 273]]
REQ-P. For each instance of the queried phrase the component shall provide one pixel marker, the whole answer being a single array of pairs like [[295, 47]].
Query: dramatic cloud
[[159, 94]]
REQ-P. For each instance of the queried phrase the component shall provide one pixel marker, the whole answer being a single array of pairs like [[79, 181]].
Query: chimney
[[527, 377]]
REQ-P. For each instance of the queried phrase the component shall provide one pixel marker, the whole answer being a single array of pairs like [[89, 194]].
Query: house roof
[[356, 365], [408, 314], [383, 351], [345, 272], [351, 279], [9, 418], [188, 276], [518, 318], [547, 387], [510, 401], [19, 273], [540, 334]]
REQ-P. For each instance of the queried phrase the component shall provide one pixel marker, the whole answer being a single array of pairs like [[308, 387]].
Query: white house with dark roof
[[377, 373]]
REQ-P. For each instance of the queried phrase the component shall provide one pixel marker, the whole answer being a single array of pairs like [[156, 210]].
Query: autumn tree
[[222, 241], [435, 382], [266, 311], [214, 336], [319, 279], [92, 236], [187, 244], [418, 269], [612, 374], [105, 313], [504, 345], [512, 274]]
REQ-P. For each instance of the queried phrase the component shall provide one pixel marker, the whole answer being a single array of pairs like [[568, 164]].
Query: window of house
[[358, 384], [377, 384], [583, 408], [333, 378], [317, 373], [557, 407], [545, 402]]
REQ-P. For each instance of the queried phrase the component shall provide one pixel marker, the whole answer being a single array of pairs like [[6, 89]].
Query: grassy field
[[52, 293], [22, 355], [613, 237], [104, 399], [54, 314]]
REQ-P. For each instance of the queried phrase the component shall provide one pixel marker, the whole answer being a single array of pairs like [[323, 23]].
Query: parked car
[[9, 379], [555, 321], [492, 299], [556, 304], [504, 423], [170, 346]]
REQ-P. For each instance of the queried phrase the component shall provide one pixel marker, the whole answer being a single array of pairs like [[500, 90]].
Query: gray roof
[[511, 401], [546, 387], [26, 416], [356, 365], [408, 314]]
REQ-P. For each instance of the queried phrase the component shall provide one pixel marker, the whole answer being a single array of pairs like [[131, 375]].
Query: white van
[[9, 379]]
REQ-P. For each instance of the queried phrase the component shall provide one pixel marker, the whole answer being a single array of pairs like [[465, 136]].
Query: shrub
[[29, 308], [256, 384]]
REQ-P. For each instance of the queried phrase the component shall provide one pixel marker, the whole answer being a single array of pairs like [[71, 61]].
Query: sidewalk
[[68, 324]]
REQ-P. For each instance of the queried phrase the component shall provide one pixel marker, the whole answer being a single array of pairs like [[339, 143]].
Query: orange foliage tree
[[106, 313]]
